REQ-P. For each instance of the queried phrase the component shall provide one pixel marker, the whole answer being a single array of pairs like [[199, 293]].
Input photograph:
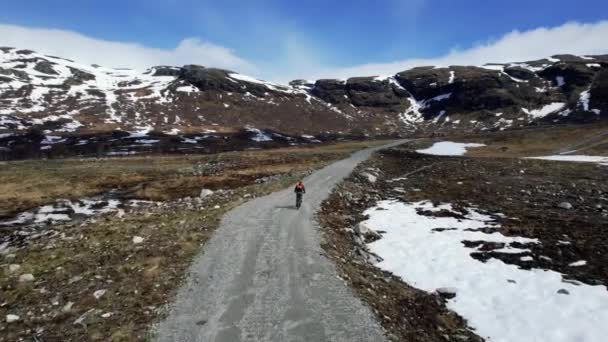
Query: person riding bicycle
[[300, 190]]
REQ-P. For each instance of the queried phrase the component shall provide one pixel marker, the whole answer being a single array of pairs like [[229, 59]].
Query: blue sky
[[311, 35]]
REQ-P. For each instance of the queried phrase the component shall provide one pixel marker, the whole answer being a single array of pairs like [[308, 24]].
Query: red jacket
[[300, 189]]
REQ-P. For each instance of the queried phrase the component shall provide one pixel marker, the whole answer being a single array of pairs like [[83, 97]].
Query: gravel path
[[262, 276]]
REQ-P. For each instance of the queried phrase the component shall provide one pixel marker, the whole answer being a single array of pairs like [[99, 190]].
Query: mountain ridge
[[60, 96]]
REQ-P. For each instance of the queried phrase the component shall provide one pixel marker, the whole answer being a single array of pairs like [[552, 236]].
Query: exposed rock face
[[369, 92], [164, 70], [599, 93], [424, 82], [331, 91], [519, 72], [45, 67], [466, 89], [301, 84], [208, 78], [572, 75], [78, 77]]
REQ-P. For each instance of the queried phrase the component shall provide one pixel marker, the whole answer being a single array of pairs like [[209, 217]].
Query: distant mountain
[[59, 96]]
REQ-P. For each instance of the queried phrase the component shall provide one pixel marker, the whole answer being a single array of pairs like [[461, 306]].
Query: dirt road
[[262, 277]]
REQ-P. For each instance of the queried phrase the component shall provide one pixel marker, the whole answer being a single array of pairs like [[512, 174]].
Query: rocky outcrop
[[45, 67], [599, 93], [568, 76], [371, 92], [331, 91], [78, 77], [207, 79], [360, 92], [520, 73], [164, 70], [425, 82]]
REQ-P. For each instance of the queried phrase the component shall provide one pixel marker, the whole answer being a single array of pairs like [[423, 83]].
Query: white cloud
[[570, 38], [299, 57], [89, 50]]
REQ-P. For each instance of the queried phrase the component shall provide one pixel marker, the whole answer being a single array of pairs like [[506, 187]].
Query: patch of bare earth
[[531, 194]]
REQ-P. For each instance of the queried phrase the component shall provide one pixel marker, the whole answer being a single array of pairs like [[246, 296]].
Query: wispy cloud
[[297, 56], [516, 46], [90, 50]]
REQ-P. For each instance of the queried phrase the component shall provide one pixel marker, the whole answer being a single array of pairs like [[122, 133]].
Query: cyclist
[[300, 190]]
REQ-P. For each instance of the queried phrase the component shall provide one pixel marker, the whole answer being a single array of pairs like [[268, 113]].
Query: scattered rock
[[12, 318], [363, 228], [370, 178], [565, 205], [120, 213], [205, 193], [138, 239], [74, 279], [80, 320], [26, 277], [366, 232], [67, 307], [99, 293]]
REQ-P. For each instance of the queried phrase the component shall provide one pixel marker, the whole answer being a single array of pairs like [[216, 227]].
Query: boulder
[[565, 205], [364, 230], [205, 193], [27, 277], [99, 293], [12, 318]]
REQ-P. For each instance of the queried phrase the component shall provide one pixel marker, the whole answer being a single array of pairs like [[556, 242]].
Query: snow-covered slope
[[65, 96], [60, 96]]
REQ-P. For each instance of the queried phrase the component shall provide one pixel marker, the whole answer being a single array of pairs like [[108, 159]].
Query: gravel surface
[[263, 276]]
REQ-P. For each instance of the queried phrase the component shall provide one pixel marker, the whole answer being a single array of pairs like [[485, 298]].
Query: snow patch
[[448, 148], [501, 302], [575, 158], [544, 111]]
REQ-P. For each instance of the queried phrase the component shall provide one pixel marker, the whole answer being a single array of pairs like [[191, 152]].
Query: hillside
[[51, 100]]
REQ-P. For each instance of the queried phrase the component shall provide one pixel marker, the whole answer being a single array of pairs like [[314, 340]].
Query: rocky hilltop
[[61, 97]]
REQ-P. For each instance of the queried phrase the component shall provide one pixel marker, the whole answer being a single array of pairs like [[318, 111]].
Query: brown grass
[[139, 279], [25, 185], [585, 139]]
